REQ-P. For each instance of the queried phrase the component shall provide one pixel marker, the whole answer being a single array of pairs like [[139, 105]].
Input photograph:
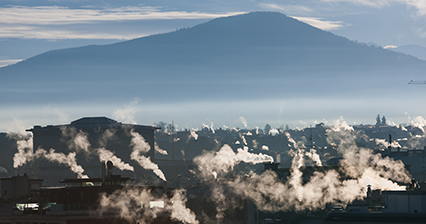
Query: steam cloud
[[360, 167], [79, 141], [213, 163], [386, 144], [26, 153], [123, 200], [193, 134], [419, 122], [244, 121], [140, 146], [105, 155]]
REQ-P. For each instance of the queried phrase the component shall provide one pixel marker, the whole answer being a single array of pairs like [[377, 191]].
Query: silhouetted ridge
[[253, 45], [255, 29]]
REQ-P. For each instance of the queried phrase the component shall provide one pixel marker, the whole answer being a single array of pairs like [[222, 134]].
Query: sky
[[28, 28]]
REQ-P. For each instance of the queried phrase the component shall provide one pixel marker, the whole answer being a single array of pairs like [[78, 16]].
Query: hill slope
[[415, 50], [236, 53]]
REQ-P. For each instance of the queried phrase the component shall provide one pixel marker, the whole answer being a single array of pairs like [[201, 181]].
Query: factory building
[[101, 132]]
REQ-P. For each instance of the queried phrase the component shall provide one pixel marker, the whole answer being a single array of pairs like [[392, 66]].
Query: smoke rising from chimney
[[26, 153], [358, 168], [123, 200], [140, 146], [106, 155], [78, 139], [226, 159], [244, 121], [193, 134], [386, 144]]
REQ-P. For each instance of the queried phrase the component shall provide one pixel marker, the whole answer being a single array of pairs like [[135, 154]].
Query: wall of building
[[53, 137], [404, 203]]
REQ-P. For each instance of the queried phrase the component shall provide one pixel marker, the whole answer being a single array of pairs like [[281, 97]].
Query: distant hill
[[414, 50], [249, 52]]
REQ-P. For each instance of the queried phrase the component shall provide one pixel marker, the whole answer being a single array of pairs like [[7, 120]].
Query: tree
[[267, 129], [378, 120], [384, 120], [171, 128], [161, 125]]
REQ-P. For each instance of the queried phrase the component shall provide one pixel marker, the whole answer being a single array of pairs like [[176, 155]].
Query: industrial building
[[69, 138]]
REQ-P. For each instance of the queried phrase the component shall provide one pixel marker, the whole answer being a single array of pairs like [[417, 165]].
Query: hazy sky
[[28, 28]]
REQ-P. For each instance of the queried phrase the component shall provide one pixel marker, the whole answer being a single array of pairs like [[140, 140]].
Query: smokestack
[[103, 171], [390, 142], [110, 165], [369, 195]]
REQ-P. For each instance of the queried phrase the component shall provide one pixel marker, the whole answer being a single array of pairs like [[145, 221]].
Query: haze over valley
[[264, 66], [212, 111]]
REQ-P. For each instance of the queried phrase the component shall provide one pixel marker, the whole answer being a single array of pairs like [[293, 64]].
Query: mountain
[[414, 50], [223, 58]]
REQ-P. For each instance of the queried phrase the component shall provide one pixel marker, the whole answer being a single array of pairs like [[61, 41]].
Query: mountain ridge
[[247, 30], [259, 47]]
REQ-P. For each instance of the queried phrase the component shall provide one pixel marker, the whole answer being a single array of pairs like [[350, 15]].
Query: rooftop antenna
[[173, 142]]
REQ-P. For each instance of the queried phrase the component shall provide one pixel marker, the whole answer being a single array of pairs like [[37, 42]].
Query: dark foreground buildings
[[100, 132], [78, 201]]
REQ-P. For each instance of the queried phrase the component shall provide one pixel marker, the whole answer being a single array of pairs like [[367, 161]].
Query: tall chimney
[[103, 171]]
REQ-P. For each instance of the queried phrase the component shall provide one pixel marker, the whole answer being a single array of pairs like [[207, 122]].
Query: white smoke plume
[[244, 121], [358, 161], [138, 143], [226, 159], [193, 134], [274, 131], [80, 142], [340, 124], [179, 209], [386, 144], [26, 154], [159, 150], [140, 147], [313, 155], [106, 155], [78, 139], [127, 114], [243, 139], [265, 147], [61, 158], [360, 167], [106, 136], [16, 127], [209, 127], [300, 147], [419, 122], [255, 144], [122, 202]]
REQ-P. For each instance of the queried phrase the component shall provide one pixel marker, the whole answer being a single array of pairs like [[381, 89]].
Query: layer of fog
[[193, 114]]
